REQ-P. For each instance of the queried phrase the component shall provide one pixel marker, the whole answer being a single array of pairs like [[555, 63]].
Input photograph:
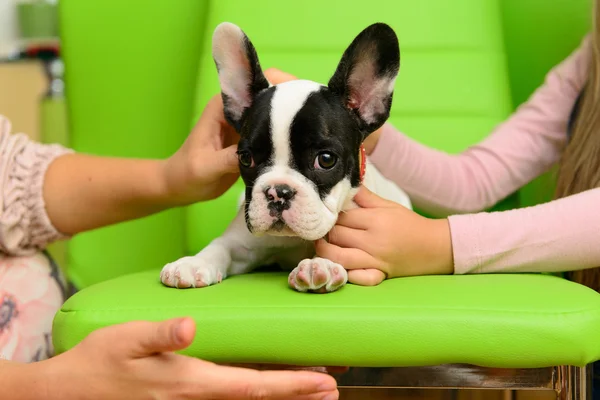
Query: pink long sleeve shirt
[[557, 236]]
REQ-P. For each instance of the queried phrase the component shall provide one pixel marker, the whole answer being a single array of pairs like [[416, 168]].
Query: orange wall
[[21, 86]]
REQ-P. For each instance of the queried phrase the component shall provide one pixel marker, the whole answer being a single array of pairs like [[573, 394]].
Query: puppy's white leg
[[204, 269], [236, 252], [226, 255], [318, 275]]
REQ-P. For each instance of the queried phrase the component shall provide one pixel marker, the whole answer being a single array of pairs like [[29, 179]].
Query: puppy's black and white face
[[300, 140]]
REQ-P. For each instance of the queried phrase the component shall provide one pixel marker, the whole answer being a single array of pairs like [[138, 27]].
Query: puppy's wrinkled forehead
[[288, 100]]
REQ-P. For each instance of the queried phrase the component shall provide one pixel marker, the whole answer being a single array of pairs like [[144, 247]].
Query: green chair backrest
[[132, 77], [131, 68]]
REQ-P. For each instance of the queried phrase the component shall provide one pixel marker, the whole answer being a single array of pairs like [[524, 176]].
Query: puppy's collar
[[362, 162]]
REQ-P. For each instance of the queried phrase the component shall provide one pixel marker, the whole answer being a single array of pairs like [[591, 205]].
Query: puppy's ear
[[366, 74], [240, 74]]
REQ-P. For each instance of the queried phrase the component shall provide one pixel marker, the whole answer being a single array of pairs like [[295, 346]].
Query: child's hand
[[206, 165], [387, 237], [136, 360]]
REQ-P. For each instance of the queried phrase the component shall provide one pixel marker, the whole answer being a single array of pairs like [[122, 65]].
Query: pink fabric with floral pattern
[[31, 292], [31, 285]]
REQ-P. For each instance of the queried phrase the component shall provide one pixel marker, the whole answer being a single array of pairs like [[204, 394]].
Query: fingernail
[[328, 385], [177, 329]]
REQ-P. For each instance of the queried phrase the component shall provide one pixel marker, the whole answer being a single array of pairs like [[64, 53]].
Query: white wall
[[8, 27]]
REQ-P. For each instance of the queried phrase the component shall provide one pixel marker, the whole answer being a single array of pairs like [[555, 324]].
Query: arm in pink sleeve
[[561, 235], [24, 224], [519, 150]]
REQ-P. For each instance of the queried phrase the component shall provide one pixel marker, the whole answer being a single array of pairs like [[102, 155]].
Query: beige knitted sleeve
[[24, 223]]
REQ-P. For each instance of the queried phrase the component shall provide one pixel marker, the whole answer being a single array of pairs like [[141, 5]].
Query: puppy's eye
[[325, 160], [245, 159]]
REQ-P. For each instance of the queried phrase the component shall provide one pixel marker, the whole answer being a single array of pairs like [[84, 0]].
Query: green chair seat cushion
[[513, 321]]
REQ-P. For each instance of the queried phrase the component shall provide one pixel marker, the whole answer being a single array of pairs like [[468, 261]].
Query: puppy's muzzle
[[279, 198]]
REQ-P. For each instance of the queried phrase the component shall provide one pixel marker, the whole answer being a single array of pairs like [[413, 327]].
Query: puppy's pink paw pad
[[302, 278], [199, 283], [318, 275]]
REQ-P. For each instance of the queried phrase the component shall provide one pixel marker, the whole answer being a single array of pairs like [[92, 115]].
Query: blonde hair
[[579, 169]]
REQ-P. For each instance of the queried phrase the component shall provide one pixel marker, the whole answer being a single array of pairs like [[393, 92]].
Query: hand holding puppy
[[206, 165], [83, 192], [389, 238]]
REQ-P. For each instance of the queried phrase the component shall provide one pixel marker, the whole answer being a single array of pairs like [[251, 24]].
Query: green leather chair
[[135, 89]]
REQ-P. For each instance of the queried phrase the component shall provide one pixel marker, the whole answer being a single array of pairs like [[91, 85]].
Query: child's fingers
[[241, 383], [366, 277], [347, 257], [143, 338], [357, 218], [347, 237], [226, 161], [209, 126], [275, 367], [367, 199]]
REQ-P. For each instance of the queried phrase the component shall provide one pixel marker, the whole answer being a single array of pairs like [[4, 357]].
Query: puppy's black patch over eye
[[245, 159], [325, 160]]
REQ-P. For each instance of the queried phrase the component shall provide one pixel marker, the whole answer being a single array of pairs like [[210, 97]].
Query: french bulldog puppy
[[300, 158]]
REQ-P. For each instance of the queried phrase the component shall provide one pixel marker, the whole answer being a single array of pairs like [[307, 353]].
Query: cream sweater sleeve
[[24, 223]]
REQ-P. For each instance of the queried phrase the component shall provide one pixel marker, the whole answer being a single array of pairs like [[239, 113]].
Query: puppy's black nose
[[285, 192], [279, 193]]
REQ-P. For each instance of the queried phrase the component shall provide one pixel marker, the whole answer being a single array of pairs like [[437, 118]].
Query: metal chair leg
[[569, 383], [574, 383]]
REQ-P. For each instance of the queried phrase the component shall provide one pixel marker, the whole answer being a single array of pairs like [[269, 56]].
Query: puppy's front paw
[[190, 272], [318, 275]]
